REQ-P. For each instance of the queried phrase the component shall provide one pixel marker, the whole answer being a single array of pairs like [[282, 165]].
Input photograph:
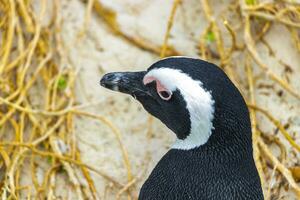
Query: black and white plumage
[[212, 157]]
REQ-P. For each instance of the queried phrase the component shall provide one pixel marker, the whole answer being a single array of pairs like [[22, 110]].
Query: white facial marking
[[199, 104]]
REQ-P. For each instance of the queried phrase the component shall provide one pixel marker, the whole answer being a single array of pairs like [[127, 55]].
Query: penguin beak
[[125, 82]]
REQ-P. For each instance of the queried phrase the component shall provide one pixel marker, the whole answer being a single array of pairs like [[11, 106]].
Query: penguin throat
[[199, 103]]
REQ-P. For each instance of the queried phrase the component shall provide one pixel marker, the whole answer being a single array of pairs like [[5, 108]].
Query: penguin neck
[[226, 147], [229, 133]]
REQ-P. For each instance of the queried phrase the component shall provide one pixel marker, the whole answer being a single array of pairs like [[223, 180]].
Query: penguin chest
[[177, 178]]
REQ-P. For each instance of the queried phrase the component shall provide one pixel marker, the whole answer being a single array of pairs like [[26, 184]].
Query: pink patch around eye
[[148, 79], [163, 92]]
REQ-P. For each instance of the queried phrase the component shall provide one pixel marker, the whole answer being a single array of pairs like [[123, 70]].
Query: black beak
[[125, 82]]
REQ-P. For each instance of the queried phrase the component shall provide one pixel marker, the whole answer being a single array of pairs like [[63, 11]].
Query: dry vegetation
[[32, 55]]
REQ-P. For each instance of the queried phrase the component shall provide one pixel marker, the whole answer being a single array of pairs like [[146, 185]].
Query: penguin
[[212, 157]]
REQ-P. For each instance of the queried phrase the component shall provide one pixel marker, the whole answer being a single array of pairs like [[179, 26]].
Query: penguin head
[[192, 97]]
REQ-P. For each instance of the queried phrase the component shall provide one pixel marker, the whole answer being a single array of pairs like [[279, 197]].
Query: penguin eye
[[162, 91], [165, 95]]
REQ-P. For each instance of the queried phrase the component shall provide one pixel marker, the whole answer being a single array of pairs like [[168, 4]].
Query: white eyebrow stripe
[[200, 105]]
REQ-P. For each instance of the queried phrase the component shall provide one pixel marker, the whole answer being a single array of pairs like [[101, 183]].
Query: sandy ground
[[100, 51]]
